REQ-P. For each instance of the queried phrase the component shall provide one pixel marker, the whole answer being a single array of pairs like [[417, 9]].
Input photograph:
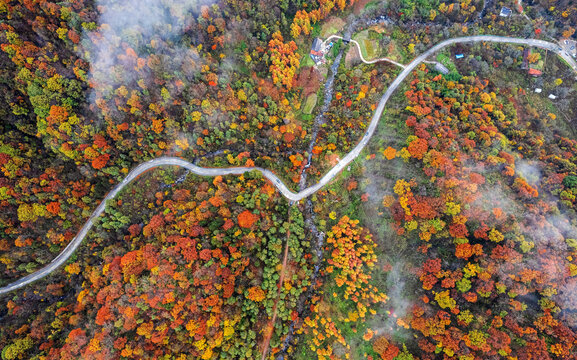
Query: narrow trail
[[275, 180], [270, 328], [317, 249]]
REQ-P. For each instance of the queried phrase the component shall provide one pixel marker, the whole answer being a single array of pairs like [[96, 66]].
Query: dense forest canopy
[[452, 235]]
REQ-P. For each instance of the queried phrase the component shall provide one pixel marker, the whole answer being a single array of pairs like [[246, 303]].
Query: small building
[[317, 51], [535, 72], [552, 97], [441, 68], [538, 90], [505, 12], [459, 56]]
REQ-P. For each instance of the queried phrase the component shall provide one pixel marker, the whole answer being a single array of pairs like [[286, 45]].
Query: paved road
[[361, 54], [167, 161]]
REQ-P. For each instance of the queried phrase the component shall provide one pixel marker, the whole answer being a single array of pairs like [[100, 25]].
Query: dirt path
[[270, 327]]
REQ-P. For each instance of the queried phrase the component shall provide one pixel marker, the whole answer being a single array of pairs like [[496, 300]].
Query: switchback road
[[361, 53]]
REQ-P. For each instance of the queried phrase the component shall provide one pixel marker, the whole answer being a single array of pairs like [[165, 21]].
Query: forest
[[452, 235]]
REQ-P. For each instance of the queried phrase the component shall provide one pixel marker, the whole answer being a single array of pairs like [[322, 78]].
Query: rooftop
[[535, 72], [505, 12], [317, 45]]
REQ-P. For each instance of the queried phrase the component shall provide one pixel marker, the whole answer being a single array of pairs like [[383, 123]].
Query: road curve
[[168, 161], [361, 54]]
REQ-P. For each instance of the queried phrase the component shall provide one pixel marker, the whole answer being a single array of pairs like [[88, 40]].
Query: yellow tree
[[284, 60]]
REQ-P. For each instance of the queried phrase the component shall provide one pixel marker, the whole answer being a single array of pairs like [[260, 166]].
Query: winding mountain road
[[171, 161]]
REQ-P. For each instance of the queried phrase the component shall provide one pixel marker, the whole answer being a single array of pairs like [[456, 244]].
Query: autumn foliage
[[246, 219], [485, 235], [350, 264], [284, 60]]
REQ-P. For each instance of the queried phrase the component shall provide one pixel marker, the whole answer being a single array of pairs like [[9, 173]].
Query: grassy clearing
[[310, 104], [369, 47], [306, 60]]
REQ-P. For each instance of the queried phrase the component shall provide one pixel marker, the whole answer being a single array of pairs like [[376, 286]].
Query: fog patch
[[529, 171], [137, 42], [495, 196], [397, 305]]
